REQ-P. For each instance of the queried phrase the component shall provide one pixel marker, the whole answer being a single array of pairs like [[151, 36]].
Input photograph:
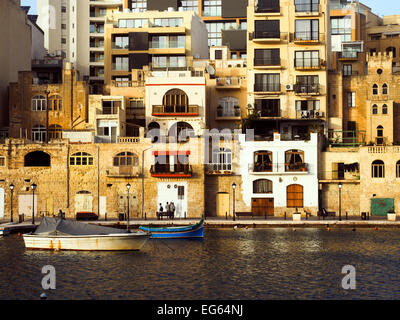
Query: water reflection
[[227, 264]]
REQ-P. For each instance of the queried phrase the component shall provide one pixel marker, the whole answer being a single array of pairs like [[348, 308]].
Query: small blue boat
[[192, 231]]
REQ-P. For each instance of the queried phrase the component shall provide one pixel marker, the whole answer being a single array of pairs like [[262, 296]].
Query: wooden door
[[262, 206], [294, 196]]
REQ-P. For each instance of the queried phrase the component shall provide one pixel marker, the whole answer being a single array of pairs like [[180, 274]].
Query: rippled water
[[227, 264]]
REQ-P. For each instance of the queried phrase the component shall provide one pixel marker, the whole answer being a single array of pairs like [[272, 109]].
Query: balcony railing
[[348, 55], [309, 114], [307, 88], [307, 7], [267, 8], [278, 168], [105, 139], [184, 110], [260, 167], [307, 63], [306, 36], [228, 83], [120, 67], [346, 138], [234, 112], [124, 84], [108, 110], [219, 168], [123, 172], [266, 113], [165, 170]]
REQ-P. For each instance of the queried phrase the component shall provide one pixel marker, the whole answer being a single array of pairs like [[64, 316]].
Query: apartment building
[[75, 29], [226, 23], [287, 67]]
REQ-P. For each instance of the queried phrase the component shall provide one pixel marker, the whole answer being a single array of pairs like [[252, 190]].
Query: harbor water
[[279, 263]]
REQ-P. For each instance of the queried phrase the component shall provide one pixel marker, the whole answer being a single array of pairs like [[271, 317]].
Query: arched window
[[294, 160], [125, 159], [228, 107], [398, 169], [379, 131], [391, 49], [385, 109], [39, 103], [39, 133], [81, 159], [176, 101], [374, 109], [378, 169], [222, 159], [294, 196], [262, 186], [37, 159], [375, 89], [385, 89], [263, 161], [181, 132], [154, 131], [55, 132], [55, 103]]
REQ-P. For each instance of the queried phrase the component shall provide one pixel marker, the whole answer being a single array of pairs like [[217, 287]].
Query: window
[[164, 42], [374, 109], [307, 59], [294, 196], [2, 161], [267, 57], [398, 169], [37, 159], [307, 30], [125, 159], [168, 22], [341, 28], [375, 89], [175, 101], [81, 159], [63, 9], [306, 5], [268, 107], [55, 132], [121, 42], [307, 84], [138, 4], [267, 29], [39, 133], [121, 63], [212, 8], [218, 54], [228, 107], [378, 169], [190, 5], [294, 160], [347, 70], [215, 31], [267, 82], [262, 186], [384, 109], [222, 159], [132, 23], [55, 103], [263, 161], [162, 62], [39, 103], [351, 99], [307, 105], [385, 89], [267, 6]]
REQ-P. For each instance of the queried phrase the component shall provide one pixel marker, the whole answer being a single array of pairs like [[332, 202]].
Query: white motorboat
[[58, 234]]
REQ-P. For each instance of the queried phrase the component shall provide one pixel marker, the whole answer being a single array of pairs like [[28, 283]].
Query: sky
[[380, 7]]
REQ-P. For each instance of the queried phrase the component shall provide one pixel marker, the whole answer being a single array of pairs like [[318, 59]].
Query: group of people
[[169, 208]]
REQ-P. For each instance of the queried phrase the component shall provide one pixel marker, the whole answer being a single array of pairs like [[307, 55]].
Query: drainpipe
[[68, 175]]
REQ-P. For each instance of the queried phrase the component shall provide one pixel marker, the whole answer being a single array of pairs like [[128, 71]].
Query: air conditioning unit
[[305, 114], [319, 114], [289, 87]]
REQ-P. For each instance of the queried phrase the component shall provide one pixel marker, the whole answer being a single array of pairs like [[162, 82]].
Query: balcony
[[267, 8], [219, 169], [308, 64], [307, 9], [307, 37], [232, 114], [127, 84], [228, 83], [171, 171], [113, 110], [105, 139], [309, 114], [307, 89], [268, 113], [267, 63], [267, 88], [174, 111], [128, 140], [279, 168], [267, 36], [120, 67], [123, 172], [348, 56], [346, 138]]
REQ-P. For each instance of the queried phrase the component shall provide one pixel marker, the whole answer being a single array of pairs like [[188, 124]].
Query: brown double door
[[262, 206]]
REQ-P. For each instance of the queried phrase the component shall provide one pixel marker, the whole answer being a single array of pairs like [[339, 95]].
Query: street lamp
[[128, 186], [12, 192], [33, 187], [340, 201], [233, 188]]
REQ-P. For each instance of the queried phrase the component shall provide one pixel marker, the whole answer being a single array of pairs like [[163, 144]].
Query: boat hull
[[115, 242], [196, 233]]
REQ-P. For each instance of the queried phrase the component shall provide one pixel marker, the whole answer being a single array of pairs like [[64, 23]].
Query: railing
[[228, 82], [309, 114], [120, 67], [278, 167], [267, 87], [307, 7], [128, 140], [226, 114], [168, 45], [166, 169], [265, 113], [307, 88], [267, 62], [219, 168], [273, 35], [348, 55], [306, 36], [124, 84], [184, 110], [267, 9], [346, 138], [105, 139], [307, 63], [135, 111], [119, 46], [107, 110], [123, 171]]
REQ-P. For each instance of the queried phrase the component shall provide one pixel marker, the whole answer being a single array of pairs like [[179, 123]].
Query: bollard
[[105, 216], [145, 216], [346, 215], [285, 215], [226, 215]]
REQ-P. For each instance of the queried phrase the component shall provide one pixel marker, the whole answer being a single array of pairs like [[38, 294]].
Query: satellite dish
[[210, 70]]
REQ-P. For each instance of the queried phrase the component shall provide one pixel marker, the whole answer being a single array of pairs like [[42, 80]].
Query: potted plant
[[237, 111], [391, 215], [296, 216]]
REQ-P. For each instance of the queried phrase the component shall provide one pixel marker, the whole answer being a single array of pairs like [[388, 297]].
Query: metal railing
[[108, 110], [229, 82], [267, 62], [347, 138], [235, 112], [176, 109], [267, 87], [306, 36], [167, 169], [307, 88], [307, 63], [278, 167], [219, 167]]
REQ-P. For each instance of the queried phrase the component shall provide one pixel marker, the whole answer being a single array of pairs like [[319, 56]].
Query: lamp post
[[143, 178], [128, 186], [340, 201], [233, 188], [12, 193], [33, 187]]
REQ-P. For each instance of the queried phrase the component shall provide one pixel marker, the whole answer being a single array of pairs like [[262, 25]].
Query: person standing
[[172, 209]]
